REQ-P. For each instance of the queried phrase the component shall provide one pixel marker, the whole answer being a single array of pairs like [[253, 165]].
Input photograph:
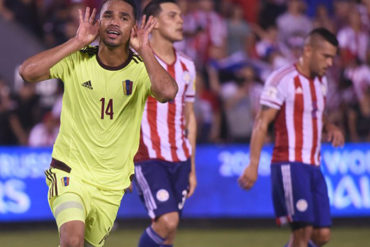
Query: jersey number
[[108, 110]]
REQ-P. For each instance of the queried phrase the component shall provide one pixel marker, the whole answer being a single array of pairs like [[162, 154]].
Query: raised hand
[[88, 29], [140, 34]]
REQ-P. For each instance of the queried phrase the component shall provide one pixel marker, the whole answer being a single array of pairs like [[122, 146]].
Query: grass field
[[341, 237]]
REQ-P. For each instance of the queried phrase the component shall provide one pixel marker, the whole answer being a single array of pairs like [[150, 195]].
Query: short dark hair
[[131, 2], [324, 34], [153, 8]]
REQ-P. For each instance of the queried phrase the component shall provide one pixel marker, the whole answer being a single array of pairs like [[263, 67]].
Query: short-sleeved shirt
[[101, 114], [298, 125], [163, 126]]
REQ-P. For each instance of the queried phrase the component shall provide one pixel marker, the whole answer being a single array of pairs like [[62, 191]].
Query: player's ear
[[307, 50], [156, 26]]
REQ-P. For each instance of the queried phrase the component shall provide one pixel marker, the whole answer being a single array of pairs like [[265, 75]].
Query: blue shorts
[[300, 195], [162, 186]]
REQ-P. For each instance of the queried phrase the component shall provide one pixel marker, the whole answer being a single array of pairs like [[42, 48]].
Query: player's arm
[[37, 68], [264, 117], [333, 133], [191, 126], [164, 87]]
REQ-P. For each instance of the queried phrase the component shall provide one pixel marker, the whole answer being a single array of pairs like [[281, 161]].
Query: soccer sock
[[311, 244], [150, 238]]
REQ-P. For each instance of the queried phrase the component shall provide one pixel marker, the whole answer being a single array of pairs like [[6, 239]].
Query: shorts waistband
[[60, 165]]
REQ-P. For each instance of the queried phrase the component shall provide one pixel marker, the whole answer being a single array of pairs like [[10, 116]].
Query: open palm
[[88, 29], [140, 34]]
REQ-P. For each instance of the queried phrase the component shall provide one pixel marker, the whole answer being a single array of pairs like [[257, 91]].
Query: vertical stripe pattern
[[163, 124]]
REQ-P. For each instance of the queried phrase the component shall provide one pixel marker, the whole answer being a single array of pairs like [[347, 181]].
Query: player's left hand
[[335, 136], [192, 183], [140, 34]]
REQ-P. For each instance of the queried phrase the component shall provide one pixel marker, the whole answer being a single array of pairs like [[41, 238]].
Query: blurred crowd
[[235, 45]]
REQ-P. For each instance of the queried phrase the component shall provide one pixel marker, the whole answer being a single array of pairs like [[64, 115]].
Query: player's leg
[[162, 198], [322, 223], [100, 220], [65, 200], [166, 225], [293, 200], [168, 222]]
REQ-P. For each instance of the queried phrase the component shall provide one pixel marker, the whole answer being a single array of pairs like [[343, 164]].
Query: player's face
[[116, 22], [170, 22], [322, 57]]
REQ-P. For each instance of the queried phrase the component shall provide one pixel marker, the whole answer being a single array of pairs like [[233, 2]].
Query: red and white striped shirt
[[298, 125], [163, 125]]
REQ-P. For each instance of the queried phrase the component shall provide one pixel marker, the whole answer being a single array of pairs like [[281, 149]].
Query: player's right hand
[[88, 29], [248, 177]]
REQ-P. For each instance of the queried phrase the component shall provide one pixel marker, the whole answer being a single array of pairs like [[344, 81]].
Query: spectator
[[44, 133], [238, 31], [293, 22]]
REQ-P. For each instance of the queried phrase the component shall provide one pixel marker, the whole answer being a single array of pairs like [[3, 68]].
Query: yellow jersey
[[101, 115]]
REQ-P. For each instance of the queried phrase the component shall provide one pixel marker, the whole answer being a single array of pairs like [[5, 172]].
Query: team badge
[[162, 195], [65, 181], [127, 87], [186, 77], [302, 205]]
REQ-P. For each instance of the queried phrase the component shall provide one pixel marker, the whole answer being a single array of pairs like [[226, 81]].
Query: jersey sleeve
[[61, 69], [191, 88], [273, 93]]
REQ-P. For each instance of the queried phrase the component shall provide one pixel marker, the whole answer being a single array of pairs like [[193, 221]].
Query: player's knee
[[321, 236], [170, 221], [72, 241]]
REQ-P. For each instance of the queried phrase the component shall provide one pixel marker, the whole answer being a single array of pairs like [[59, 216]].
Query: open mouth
[[113, 34]]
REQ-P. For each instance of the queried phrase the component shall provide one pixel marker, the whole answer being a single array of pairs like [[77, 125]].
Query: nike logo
[[299, 90], [87, 84]]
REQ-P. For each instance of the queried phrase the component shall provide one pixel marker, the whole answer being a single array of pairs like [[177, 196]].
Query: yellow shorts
[[72, 199]]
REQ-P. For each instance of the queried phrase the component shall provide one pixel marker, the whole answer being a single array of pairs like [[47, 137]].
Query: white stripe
[[148, 197], [288, 190], [307, 122], [162, 128], [155, 238]]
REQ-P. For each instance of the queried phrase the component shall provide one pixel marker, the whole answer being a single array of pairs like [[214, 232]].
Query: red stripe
[[185, 148], [142, 153], [281, 147], [314, 121], [152, 120], [184, 68], [298, 120], [171, 119]]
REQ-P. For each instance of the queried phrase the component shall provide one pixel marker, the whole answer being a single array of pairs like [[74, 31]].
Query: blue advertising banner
[[23, 191]]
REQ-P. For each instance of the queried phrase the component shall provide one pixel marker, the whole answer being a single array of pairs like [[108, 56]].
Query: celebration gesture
[[140, 34], [88, 29]]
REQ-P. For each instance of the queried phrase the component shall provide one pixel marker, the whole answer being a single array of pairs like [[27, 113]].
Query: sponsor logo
[[87, 84]]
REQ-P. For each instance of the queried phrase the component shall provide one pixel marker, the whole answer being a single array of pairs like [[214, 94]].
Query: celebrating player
[[105, 91], [164, 165], [294, 98]]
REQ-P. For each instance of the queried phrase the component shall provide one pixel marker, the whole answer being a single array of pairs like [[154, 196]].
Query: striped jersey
[[299, 123], [100, 119], [163, 126]]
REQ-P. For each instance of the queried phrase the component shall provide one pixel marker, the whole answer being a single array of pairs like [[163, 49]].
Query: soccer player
[[105, 92], [164, 165], [294, 99]]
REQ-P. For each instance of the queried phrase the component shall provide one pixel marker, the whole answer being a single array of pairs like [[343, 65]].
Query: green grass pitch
[[188, 237]]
